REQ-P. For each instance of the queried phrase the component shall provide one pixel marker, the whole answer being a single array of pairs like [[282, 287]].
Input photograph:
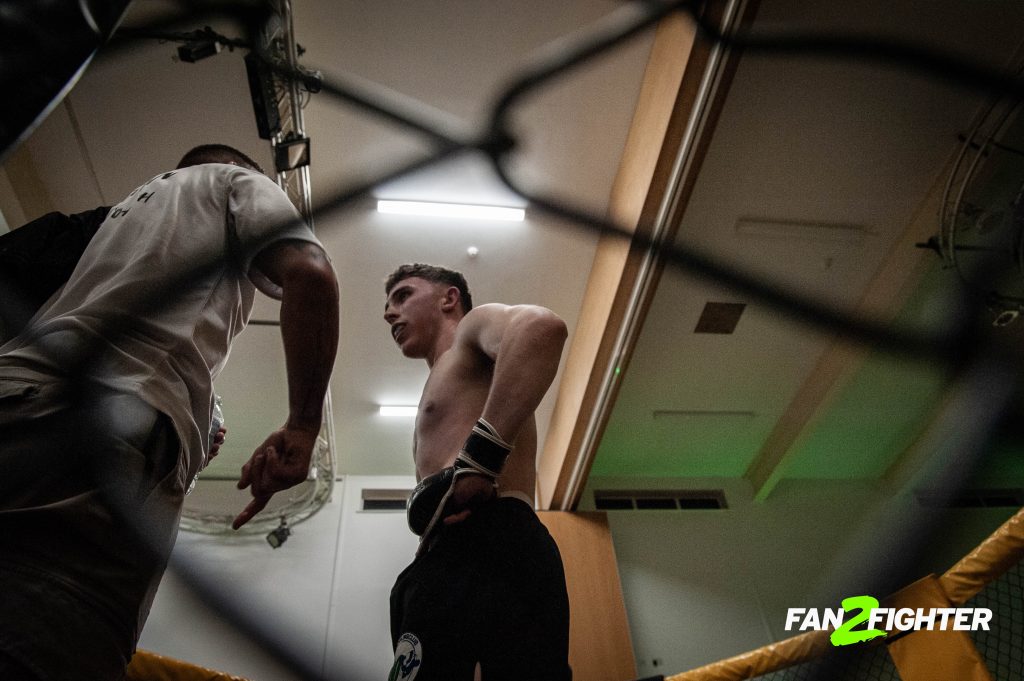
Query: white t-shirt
[[162, 289]]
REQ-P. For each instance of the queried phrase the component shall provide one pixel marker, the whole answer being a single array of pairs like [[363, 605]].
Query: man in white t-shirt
[[106, 401]]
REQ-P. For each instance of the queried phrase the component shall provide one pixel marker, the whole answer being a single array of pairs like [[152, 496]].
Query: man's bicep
[[281, 257]]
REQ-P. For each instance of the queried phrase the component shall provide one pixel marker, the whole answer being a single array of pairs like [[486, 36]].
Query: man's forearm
[[526, 364], [309, 331]]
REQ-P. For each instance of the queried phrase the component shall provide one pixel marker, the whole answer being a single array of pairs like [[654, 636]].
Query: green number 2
[[844, 635]]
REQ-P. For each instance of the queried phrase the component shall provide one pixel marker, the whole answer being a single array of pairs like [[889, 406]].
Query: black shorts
[[490, 590]]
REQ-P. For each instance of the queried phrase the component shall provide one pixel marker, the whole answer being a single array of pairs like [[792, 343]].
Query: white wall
[[324, 593], [11, 213], [701, 586], [374, 547]]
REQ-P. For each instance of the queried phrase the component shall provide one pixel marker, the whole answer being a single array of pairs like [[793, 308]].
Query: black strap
[[37, 258], [484, 451]]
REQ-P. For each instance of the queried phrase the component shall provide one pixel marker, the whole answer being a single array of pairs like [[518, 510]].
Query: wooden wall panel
[[600, 647]]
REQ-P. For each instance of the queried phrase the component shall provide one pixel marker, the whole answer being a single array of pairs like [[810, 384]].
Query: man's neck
[[444, 341]]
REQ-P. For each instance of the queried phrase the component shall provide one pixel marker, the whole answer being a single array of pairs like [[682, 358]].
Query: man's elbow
[[548, 328], [312, 274]]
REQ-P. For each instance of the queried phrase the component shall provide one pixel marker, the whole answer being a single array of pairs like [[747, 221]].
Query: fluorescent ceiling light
[[398, 409], [451, 210]]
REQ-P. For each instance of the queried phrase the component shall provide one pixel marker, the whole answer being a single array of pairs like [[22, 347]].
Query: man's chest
[[453, 398]]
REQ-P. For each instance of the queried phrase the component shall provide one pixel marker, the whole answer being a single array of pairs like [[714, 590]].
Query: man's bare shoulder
[[481, 315], [480, 324], [494, 314], [484, 327], [478, 320]]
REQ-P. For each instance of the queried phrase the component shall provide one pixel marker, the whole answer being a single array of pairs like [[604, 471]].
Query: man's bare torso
[[453, 399]]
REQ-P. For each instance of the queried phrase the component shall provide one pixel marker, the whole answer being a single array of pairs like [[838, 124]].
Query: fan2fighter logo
[[879, 621]]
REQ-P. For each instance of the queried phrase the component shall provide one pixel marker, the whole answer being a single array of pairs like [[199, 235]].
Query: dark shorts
[[490, 590]]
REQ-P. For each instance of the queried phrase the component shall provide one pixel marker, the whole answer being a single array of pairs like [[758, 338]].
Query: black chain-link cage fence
[[871, 663], [67, 33], [1002, 647]]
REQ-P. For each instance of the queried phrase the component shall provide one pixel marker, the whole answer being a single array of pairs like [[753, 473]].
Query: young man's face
[[414, 312]]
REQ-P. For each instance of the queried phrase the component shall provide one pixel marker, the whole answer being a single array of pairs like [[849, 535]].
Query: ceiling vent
[[977, 498], [719, 317], [660, 500], [835, 232], [702, 413], [385, 499]]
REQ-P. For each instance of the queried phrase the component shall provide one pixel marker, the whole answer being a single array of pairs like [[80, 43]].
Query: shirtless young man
[[487, 587]]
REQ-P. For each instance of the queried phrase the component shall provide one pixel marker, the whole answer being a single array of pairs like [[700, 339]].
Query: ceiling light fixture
[[451, 210], [291, 153], [398, 409]]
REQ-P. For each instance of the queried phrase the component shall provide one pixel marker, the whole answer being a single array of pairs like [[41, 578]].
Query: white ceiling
[[799, 140], [811, 143], [134, 115]]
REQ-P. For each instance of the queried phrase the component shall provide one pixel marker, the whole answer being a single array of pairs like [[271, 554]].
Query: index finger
[[254, 507]]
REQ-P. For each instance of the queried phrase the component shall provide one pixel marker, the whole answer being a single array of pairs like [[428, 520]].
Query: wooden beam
[[600, 646], [890, 288], [600, 315], [669, 95]]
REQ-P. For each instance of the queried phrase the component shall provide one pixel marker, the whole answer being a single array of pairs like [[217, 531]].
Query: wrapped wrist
[[484, 451]]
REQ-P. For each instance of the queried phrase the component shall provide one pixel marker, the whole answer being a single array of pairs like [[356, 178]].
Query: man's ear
[[451, 300]]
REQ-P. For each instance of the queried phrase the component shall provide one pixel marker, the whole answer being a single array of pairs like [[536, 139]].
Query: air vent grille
[[385, 499], [660, 500], [719, 317]]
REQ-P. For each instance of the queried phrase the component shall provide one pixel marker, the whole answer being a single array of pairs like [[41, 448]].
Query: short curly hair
[[438, 275]]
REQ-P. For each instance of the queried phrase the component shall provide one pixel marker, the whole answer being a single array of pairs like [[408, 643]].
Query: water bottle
[[216, 423], [218, 419]]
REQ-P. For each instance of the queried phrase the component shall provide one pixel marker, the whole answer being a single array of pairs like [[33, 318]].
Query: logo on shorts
[[408, 657]]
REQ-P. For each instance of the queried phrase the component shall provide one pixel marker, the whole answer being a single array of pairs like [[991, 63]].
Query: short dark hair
[[438, 275], [216, 153]]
